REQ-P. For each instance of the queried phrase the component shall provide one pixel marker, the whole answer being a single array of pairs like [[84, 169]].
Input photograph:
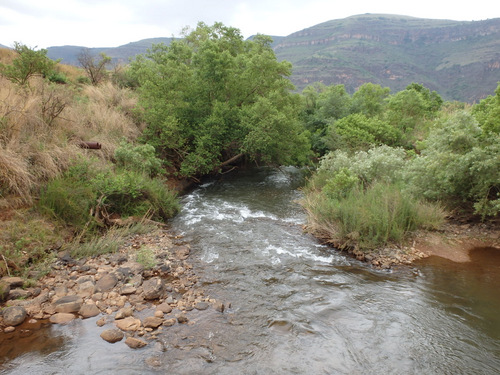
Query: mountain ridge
[[458, 59]]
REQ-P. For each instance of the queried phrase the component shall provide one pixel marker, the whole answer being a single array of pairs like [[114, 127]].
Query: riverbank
[[148, 276], [453, 242]]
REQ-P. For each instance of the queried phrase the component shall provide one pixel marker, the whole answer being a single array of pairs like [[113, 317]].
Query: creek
[[294, 306]]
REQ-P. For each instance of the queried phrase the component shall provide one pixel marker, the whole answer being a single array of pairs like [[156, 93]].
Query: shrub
[[140, 158], [459, 165]]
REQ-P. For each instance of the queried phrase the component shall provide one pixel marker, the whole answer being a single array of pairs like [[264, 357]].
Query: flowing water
[[294, 306]]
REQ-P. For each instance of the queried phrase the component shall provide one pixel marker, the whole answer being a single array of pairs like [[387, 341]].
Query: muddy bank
[[138, 292], [452, 242]]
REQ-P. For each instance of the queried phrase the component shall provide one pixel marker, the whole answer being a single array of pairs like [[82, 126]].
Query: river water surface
[[294, 306]]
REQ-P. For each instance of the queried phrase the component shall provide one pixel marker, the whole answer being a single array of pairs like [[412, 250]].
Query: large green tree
[[212, 98]]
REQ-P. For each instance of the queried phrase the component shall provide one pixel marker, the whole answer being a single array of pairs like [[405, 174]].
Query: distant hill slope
[[69, 54], [460, 60]]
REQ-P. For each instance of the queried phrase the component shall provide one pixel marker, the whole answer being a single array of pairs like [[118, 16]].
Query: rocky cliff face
[[460, 60]]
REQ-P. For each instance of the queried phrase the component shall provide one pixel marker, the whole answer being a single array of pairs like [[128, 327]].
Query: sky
[[111, 23]]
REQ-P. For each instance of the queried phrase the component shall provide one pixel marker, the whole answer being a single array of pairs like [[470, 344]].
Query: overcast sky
[[110, 23]]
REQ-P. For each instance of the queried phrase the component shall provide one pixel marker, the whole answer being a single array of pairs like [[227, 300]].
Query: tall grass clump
[[370, 218]]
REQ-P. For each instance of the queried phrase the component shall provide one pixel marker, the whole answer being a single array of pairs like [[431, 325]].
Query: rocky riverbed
[[138, 292]]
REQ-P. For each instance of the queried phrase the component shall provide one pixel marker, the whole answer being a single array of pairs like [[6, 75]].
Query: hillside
[[121, 54], [460, 60]]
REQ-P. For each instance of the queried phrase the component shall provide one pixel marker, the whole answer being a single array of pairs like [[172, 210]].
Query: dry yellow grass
[[41, 129]]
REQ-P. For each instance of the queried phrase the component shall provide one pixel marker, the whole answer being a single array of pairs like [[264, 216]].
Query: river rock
[[89, 310], [201, 305], [106, 283], [182, 319], [135, 343], [4, 291], [169, 322], [13, 282], [182, 252], [61, 291], [68, 304], [13, 316], [136, 280], [124, 313], [9, 329], [112, 335], [164, 308], [128, 324], [86, 288], [128, 289], [19, 293], [152, 322], [219, 306], [152, 288], [61, 318]]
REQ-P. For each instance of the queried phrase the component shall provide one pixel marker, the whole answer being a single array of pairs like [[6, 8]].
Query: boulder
[[89, 310], [128, 324], [68, 304], [13, 282], [152, 322], [4, 291], [61, 318], [106, 283], [164, 308], [13, 316], [124, 313], [112, 335], [153, 288]]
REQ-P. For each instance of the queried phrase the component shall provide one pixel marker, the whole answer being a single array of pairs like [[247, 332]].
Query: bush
[[87, 192], [459, 165], [140, 158]]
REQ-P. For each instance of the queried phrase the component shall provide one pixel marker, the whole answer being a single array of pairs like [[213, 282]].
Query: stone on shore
[[61, 318], [13, 316], [4, 291], [106, 283], [201, 305], [89, 310], [68, 304], [13, 282], [112, 335], [135, 343], [164, 308], [152, 322], [124, 313], [128, 324], [152, 288]]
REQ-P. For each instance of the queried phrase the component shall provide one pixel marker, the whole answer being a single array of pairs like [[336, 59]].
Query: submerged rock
[[135, 343], [112, 335]]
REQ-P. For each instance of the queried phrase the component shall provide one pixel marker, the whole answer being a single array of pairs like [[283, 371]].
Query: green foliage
[[369, 99], [459, 164], [57, 77], [203, 94], [357, 131], [27, 64], [140, 158], [487, 113], [381, 163], [87, 190]]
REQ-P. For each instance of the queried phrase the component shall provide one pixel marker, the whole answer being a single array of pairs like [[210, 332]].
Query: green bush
[[87, 189], [459, 165], [140, 158]]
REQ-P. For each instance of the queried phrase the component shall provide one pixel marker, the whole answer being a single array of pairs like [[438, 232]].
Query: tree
[[93, 66], [27, 64], [369, 99], [212, 98]]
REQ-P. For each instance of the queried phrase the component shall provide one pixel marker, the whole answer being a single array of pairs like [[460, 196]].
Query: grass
[[369, 218]]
